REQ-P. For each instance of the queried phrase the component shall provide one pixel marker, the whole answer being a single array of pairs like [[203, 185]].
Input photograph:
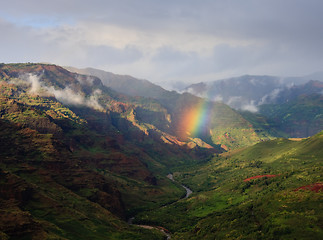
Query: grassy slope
[[226, 207], [221, 124], [233, 130]]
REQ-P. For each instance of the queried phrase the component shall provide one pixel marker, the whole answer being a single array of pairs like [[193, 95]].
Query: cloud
[[251, 107], [66, 96], [271, 96], [169, 54], [35, 84], [93, 100], [239, 102], [88, 80], [218, 98], [111, 55], [167, 41]]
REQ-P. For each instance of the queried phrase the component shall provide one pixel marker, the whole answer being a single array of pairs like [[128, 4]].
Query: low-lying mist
[[67, 95]]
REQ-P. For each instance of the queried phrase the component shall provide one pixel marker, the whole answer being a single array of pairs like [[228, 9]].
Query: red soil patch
[[259, 176], [316, 187]]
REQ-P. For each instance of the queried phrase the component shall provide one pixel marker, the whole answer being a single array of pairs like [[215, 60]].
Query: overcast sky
[[167, 40]]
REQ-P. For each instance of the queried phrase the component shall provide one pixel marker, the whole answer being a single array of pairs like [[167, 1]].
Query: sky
[[167, 41]]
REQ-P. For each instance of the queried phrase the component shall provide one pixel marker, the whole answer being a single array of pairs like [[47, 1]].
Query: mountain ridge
[[174, 103], [124, 83]]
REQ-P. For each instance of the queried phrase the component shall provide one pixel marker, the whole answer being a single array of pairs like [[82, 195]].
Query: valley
[[163, 230], [93, 155], [267, 191]]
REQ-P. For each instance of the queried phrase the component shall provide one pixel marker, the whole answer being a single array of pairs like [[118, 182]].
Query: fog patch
[[271, 96], [251, 107], [191, 91], [88, 80], [238, 102], [67, 95], [31, 81], [93, 100], [217, 98], [202, 93], [35, 84], [234, 101]]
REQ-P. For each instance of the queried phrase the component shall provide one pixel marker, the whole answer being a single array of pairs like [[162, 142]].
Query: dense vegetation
[[272, 190]]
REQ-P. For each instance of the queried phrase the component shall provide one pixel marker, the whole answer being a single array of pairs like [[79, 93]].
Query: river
[[161, 229], [188, 191]]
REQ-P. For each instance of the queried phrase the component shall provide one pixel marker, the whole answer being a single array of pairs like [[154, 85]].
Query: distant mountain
[[279, 106], [123, 83], [248, 92], [318, 76], [291, 93], [244, 93], [295, 111], [297, 115]]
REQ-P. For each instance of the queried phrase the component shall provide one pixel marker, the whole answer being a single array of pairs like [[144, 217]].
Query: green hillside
[[300, 117], [220, 125], [272, 190]]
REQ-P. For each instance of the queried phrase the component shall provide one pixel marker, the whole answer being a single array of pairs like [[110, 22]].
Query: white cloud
[[167, 40], [218, 98], [249, 107], [238, 102], [35, 84], [66, 95], [271, 96]]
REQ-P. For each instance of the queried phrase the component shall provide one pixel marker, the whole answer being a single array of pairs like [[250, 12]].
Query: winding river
[[161, 229], [188, 191]]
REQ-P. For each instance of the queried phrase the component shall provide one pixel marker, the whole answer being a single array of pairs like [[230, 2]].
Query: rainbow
[[196, 119]]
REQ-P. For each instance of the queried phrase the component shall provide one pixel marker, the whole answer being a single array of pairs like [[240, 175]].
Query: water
[[188, 191]]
